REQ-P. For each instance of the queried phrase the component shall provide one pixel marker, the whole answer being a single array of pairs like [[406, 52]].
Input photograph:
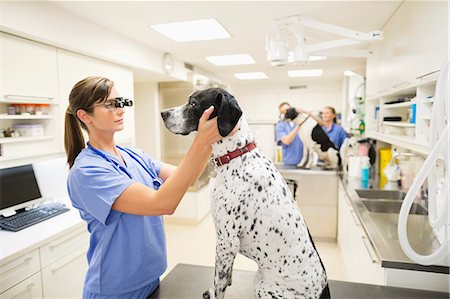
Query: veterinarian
[[121, 193], [336, 133], [287, 133], [287, 136]]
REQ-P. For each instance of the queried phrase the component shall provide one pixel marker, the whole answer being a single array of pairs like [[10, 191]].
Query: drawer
[[60, 247], [65, 277], [15, 271], [29, 288]]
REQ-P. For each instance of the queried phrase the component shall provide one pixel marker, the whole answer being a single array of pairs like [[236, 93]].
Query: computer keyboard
[[25, 219]]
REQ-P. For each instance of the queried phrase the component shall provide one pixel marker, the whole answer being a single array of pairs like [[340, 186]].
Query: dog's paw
[[208, 294]]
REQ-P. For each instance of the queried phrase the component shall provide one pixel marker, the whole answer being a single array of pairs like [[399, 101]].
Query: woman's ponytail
[[73, 136], [84, 95]]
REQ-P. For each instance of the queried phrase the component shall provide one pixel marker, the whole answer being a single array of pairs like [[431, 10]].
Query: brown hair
[[282, 104], [332, 111], [84, 95]]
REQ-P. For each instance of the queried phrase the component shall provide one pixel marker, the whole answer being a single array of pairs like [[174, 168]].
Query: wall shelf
[[5, 117], [398, 124], [399, 141], [398, 105], [24, 139]]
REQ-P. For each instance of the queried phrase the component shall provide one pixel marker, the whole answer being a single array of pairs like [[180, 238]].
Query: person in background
[[122, 193], [334, 131], [287, 136]]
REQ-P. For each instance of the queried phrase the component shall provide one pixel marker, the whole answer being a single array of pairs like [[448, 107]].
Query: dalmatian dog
[[315, 141], [252, 208]]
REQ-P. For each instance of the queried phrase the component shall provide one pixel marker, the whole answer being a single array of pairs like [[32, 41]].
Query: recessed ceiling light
[[207, 29], [238, 59], [349, 73], [316, 58], [306, 73], [251, 76]]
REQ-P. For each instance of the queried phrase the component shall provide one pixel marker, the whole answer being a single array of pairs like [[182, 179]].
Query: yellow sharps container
[[385, 158]]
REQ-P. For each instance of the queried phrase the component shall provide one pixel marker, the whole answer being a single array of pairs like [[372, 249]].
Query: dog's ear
[[229, 113]]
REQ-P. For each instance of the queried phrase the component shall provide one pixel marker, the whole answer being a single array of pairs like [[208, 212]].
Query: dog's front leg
[[226, 250]]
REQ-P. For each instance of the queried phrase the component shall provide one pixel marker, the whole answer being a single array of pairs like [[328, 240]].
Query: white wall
[[147, 117], [415, 43], [260, 101]]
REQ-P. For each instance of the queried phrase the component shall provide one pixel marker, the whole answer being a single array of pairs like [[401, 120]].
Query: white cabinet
[[406, 102], [29, 288], [359, 257], [72, 68], [29, 69], [18, 269], [28, 99], [54, 270], [65, 277]]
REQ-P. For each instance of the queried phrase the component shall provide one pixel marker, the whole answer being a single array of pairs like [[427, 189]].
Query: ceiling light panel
[[197, 30], [251, 76], [305, 73], [224, 60]]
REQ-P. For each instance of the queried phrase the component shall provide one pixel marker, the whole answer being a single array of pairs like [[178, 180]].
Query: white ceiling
[[248, 22]]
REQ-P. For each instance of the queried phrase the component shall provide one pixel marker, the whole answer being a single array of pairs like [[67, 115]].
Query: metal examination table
[[190, 281]]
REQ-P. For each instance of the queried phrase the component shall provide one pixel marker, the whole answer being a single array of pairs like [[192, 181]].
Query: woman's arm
[[317, 119], [142, 200], [291, 136]]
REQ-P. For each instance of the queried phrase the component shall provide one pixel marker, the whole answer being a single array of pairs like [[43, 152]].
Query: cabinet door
[[73, 68], [65, 277], [18, 269], [359, 260], [58, 248], [29, 69], [29, 288]]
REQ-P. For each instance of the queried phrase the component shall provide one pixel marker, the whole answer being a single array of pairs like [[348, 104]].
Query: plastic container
[[365, 169], [412, 113], [29, 130]]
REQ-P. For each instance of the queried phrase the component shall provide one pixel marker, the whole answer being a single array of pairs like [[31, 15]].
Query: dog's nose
[[164, 114]]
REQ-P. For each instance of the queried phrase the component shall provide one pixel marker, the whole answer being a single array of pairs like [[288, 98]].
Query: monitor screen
[[17, 185]]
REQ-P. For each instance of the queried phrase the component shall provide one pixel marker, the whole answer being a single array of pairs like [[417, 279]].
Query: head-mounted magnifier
[[122, 102]]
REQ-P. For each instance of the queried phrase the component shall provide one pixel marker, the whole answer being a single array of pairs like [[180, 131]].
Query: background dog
[[315, 140], [253, 210]]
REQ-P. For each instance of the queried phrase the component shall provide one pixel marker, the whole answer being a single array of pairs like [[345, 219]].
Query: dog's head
[[184, 119]]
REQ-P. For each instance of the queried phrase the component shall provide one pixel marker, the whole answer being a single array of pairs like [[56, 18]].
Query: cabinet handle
[[19, 96], [21, 291], [57, 243], [25, 261], [355, 218], [369, 251], [427, 74], [54, 269]]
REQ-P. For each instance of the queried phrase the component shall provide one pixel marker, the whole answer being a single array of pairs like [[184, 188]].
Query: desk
[[190, 281]]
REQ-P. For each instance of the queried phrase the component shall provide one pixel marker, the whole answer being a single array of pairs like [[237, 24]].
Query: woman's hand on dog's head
[[208, 130]]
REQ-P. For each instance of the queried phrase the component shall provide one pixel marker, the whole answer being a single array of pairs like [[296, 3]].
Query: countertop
[[294, 170], [189, 282], [381, 229], [13, 244]]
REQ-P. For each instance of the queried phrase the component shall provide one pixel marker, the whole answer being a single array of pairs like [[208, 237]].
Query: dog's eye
[[192, 104]]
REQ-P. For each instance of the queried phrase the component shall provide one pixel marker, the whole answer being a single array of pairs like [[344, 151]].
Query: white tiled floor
[[195, 244]]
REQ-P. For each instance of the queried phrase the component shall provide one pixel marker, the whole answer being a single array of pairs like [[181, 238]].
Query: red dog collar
[[225, 159]]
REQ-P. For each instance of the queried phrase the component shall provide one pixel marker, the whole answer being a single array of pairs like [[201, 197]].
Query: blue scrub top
[[292, 153], [336, 134], [126, 252]]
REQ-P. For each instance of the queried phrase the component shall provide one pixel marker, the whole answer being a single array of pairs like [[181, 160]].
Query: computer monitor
[[18, 189]]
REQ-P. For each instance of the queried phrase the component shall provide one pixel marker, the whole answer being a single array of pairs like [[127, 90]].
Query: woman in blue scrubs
[[336, 133], [121, 193]]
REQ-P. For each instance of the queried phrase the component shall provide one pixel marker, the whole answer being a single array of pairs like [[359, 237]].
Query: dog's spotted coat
[[255, 215]]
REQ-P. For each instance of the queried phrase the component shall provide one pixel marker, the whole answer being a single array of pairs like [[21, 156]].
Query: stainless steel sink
[[379, 194], [392, 206]]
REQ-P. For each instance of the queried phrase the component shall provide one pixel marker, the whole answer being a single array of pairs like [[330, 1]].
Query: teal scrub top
[[126, 252]]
